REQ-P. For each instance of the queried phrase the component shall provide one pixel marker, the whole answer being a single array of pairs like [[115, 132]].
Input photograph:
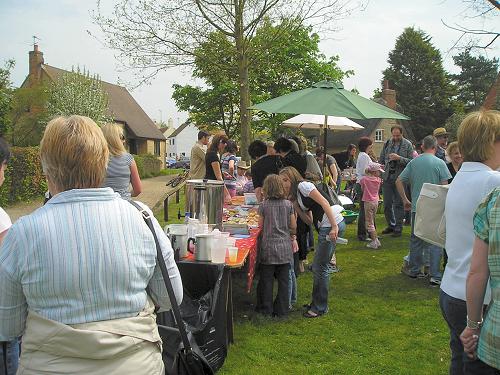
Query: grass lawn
[[380, 322]]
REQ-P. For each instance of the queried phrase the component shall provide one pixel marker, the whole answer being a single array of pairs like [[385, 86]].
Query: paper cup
[[230, 241], [232, 253]]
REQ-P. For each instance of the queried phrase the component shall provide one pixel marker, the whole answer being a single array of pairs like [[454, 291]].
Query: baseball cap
[[373, 167]]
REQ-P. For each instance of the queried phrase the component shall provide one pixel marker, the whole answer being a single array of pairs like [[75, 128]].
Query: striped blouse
[[85, 256], [118, 174]]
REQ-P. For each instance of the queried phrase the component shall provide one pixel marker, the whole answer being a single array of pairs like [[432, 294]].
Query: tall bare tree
[[153, 35], [482, 37]]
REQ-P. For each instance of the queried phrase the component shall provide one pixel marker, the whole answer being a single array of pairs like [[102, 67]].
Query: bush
[[148, 165], [24, 179]]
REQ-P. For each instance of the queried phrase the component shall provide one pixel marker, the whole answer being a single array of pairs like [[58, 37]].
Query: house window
[[379, 135], [157, 148]]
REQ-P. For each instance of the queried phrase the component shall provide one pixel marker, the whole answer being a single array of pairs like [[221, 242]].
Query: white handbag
[[430, 223]]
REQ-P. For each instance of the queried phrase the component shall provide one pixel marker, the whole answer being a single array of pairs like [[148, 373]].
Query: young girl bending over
[[277, 220], [370, 184]]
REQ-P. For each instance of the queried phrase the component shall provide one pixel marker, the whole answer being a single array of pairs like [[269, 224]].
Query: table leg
[[229, 310]]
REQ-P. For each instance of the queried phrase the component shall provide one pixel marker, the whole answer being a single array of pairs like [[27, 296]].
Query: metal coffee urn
[[205, 201]]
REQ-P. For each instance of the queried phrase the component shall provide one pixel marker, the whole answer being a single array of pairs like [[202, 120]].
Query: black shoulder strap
[[166, 278]]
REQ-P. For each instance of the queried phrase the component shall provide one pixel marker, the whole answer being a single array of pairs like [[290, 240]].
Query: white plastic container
[[250, 198]]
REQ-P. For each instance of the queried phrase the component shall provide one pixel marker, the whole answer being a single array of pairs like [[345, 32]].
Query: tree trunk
[[242, 82]]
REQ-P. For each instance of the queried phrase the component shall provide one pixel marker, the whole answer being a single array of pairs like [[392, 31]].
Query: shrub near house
[[24, 179]]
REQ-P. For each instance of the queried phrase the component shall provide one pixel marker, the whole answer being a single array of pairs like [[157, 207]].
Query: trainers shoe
[[388, 230], [407, 272], [378, 243], [434, 282], [372, 245]]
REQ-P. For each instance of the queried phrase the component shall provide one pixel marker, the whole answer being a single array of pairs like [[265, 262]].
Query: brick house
[[142, 135], [379, 130], [492, 100]]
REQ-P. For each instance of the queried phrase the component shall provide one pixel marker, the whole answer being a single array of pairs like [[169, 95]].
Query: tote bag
[[430, 223]]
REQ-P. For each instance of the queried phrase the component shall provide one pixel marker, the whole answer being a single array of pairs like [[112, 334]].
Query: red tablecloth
[[251, 244], [247, 248]]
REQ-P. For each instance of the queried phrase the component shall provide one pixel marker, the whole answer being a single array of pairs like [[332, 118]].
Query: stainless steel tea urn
[[205, 201]]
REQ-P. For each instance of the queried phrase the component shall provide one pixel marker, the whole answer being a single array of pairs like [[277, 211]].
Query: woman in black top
[[456, 159], [212, 161], [346, 159]]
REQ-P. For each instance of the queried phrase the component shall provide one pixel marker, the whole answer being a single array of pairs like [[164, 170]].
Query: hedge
[[24, 179], [148, 165]]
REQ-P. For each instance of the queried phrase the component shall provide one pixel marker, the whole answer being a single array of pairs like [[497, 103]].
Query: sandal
[[311, 314]]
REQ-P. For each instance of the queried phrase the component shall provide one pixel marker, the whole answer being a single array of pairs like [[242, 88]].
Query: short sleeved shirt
[[276, 246], [263, 167], [5, 222], [225, 162], [306, 188], [371, 187], [210, 157], [487, 228], [425, 169], [118, 174]]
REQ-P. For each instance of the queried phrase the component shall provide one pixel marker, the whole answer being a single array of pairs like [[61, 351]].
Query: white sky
[[363, 43]]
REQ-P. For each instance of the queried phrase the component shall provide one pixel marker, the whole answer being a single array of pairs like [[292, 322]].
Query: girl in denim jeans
[[315, 207]]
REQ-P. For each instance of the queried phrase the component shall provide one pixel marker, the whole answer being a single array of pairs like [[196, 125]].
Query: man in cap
[[442, 139], [241, 178]]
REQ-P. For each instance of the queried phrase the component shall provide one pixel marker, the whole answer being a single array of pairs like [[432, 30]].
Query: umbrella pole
[[325, 127]]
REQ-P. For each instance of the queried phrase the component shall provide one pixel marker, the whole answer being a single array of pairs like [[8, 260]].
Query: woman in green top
[[485, 264]]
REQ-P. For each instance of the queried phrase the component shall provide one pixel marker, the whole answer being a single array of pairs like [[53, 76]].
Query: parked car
[[183, 163], [169, 162]]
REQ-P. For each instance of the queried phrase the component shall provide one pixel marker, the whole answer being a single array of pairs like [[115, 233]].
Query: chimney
[[36, 61], [389, 95]]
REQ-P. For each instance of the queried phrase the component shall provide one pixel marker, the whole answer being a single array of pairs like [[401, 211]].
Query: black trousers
[[302, 238], [265, 304], [362, 234]]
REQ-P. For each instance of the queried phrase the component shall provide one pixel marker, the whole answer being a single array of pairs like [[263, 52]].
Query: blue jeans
[[393, 207], [417, 249], [322, 255], [9, 357], [454, 312]]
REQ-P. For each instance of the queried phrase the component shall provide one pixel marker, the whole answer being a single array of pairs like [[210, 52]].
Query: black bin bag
[[203, 309]]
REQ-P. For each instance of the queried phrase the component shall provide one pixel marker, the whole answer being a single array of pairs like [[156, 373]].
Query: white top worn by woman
[[5, 222], [473, 182], [305, 188], [86, 256], [361, 165]]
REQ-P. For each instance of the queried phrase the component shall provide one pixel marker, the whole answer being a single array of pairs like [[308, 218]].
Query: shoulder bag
[[430, 224], [181, 354]]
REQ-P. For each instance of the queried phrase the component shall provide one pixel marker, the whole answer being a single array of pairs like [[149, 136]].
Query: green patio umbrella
[[328, 99]]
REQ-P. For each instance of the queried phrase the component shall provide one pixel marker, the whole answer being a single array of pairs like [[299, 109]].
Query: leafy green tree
[[476, 76], [6, 91], [423, 87], [78, 93], [152, 35], [292, 62]]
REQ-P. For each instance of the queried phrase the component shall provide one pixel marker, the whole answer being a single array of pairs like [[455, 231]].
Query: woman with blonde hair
[[453, 152], [79, 275], [315, 207], [479, 144], [122, 170]]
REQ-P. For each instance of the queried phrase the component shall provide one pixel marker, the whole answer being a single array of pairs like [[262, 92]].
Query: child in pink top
[[370, 184]]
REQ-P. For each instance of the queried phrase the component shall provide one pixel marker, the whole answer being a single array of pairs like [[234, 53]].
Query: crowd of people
[[62, 265]]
